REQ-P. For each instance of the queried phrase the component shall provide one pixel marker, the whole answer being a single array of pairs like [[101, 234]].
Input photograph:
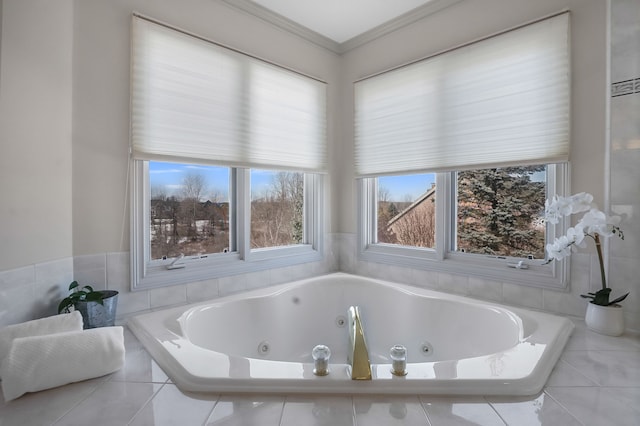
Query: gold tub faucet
[[358, 356]]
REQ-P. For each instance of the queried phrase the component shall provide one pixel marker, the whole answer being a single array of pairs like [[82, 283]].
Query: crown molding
[[286, 24], [283, 23], [396, 23]]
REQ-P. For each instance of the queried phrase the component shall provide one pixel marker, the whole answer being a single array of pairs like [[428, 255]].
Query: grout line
[[215, 404], [572, 367], [354, 417], [495, 411], [424, 408], [80, 401], [562, 406], [284, 402], [147, 401]]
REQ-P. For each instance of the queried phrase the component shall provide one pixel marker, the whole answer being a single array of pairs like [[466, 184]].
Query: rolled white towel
[[49, 325], [42, 362]]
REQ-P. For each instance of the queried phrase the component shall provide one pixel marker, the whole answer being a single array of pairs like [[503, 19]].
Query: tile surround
[[111, 271], [594, 383], [602, 370], [627, 87], [33, 291], [624, 158]]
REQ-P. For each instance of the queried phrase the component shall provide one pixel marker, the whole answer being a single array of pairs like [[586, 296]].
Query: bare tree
[[385, 214], [196, 221], [276, 213], [193, 186], [417, 227], [383, 194]]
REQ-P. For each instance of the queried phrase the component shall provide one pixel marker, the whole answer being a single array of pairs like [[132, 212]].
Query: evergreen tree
[[498, 211], [392, 210]]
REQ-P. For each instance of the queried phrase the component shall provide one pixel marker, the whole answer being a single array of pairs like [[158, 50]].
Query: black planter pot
[[96, 315]]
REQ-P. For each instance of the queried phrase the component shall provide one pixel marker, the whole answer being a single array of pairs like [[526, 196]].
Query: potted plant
[[98, 308], [603, 315]]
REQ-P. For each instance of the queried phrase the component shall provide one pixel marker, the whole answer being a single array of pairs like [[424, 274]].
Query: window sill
[[157, 275], [553, 276]]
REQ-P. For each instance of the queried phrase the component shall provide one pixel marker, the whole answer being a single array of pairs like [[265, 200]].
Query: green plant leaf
[[602, 297], [619, 299], [64, 305], [73, 285], [88, 289], [94, 296]]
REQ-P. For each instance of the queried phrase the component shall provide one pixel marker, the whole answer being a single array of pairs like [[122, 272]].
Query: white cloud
[[165, 171]]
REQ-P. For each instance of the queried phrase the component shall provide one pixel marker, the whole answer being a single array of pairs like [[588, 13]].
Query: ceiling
[[340, 25], [341, 20]]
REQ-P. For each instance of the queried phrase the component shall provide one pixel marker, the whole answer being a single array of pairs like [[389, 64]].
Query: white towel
[[39, 327], [42, 362]]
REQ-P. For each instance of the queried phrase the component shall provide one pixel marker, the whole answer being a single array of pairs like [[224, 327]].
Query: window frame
[[443, 258], [241, 259]]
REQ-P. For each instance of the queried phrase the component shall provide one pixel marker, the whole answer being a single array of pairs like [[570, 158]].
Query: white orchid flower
[[580, 202], [560, 248], [565, 206], [595, 221], [576, 235], [556, 208], [593, 224]]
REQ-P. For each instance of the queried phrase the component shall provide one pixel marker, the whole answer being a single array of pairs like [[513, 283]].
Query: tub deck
[[521, 347]]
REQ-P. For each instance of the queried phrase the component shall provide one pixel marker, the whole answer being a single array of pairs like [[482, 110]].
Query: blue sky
[[406, 188], [171, 175]]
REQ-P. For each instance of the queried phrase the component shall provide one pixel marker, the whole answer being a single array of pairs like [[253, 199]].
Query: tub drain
[[263, 348]]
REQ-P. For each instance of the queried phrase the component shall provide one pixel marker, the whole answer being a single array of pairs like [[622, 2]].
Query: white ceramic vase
[[607, 320]]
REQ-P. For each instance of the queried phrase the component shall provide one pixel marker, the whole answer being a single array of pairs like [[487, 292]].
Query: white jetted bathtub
[[261, 341]]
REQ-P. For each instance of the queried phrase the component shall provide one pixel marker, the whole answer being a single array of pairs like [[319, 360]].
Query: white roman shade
[[501, 101], [195, 101]]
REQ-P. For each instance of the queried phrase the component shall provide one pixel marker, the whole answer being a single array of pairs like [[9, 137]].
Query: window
[[500, 212], [188, 210], [485, 130], [277, 208], [228, 153], [464, 222], [406, 210]]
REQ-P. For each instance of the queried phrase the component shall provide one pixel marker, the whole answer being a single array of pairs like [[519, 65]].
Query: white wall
[[64, 130], [35, 157], [591, 169], [624, 190], [101, 134], [101, 98], [469, 20], [35, 132]]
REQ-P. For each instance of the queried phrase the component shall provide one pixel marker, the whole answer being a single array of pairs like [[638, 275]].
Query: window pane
[[189, 210], [277, 208], [500, 211], [406, 210]]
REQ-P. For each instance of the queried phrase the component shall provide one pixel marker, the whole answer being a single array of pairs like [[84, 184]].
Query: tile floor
[[596, 382]]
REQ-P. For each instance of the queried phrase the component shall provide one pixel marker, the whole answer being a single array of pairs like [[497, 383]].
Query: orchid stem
[[596, 238]]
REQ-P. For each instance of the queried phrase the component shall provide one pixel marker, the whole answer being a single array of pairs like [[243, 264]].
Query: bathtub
[[261, 341]]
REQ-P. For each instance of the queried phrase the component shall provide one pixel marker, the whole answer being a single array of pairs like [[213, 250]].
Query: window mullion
[[310, 212], [243, 216], [141, 251], [371, 225], [366, 211], [445, 219]]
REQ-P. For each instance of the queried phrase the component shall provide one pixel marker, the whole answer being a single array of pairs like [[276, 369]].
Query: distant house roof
[[430, 194]]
